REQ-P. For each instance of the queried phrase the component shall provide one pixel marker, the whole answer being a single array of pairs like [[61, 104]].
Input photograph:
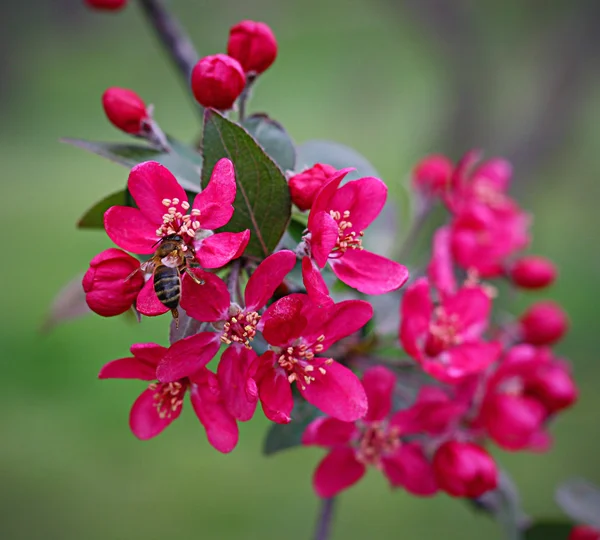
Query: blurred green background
[[395, 80]]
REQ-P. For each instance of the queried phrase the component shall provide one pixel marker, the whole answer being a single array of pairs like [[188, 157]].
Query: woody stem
[[325, 519]]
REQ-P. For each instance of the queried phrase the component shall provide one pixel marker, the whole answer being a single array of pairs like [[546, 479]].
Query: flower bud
[[217, 81], [464, 469], [108, 291], [305, 185], [432, 174], [108, 5], [552, 385], [253, 45], [584, 532], [125, 109], [543, 323], [533, 272]]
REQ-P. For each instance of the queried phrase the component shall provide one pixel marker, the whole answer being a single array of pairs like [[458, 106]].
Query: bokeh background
[[395, 79]]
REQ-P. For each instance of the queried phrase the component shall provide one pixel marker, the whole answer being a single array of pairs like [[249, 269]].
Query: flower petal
[[274, 390], [267, 277], [147, 303], [128, 368], [220, 248], [221, 428], [325, 194], [208, 302], [369, 273], [187, 356], [144, 419], [463, 360], [325, 431], [283, 320], [216, 199], [363, 198], [315, 284], [416, 310], [472, 306], [408, 467], [238, 389], [337, 471], [149, 184], [338, 393], [379, 383], [130, 230], [323, 237], [440, 271]]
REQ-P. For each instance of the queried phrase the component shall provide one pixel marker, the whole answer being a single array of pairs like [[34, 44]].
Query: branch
[[324, 522]]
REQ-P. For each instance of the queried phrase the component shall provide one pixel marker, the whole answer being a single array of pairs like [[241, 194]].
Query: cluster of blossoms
[[282, 334]]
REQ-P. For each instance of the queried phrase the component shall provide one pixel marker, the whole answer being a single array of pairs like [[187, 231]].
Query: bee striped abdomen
[[167, 286]]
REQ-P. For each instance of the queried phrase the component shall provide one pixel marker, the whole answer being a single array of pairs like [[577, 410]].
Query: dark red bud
[[108, 5], [533, 272], [305, 185], [125, 109], [253, 45], [464, 469], [432, 174], [543, 323], [553, 386], [108, 292], [217, 81]]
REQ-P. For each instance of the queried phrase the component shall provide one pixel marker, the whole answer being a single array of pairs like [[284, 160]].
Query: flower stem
[[325, 519], [243, 100], [173, 37]]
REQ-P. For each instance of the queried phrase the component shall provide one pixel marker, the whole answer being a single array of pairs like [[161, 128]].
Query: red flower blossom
[[253, 45], [108, 291], [584, 532], [161, 403], [162, 211], [372, 441], [432, 175], [532, 272], [235, 325], [463, 469], [446, 339], [108, 5], [305, 185], [297, 330], [125, 110], [336, 223], [217, 81], [543, 323]]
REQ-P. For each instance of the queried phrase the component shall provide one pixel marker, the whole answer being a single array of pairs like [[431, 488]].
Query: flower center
[[240, 327], [168, 397], [444, 332], [377, 440], [176, 222], [487, 193], [300, 363], [347, 239]]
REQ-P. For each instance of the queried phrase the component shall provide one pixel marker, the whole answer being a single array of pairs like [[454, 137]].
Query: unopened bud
[[217, 81], [305, 185], [108, 5], [253, 45], [543, 323], [432, 174], [125, 109], [533, 272]]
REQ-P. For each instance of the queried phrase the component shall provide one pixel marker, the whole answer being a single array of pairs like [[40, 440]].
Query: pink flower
[[161, 403], [532, 272], [235, 325], [584, 532], [372, 441], [336, 223], [543, 323], [432, 175], [463, 469], [446, 339], [297, 331], [305, 185], [110, 284]]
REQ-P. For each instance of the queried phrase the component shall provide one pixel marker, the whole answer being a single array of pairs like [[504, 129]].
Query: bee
[[171, 258]]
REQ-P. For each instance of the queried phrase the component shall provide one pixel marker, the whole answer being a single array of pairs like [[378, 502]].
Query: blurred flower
[[584, 532], [125, 110], [305, 185], [217, 81], [432, 175], [161, 403], [111, 283], [108, 5], [532, 272], [253, 45], [543, 323]]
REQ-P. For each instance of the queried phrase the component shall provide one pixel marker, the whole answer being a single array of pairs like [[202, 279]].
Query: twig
[[243, 100], [324, 521]]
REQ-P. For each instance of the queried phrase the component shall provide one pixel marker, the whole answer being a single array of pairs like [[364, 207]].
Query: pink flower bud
[[543, 323], [125, 109], [253, 45], [464, 469], [432, 174], [305, 185], [553, 386], [584, 532], [108, 5], [108, 292], [533, 272], [217, 81]]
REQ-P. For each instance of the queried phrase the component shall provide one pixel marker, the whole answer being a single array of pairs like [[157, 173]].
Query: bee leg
[[194, 277], [175, 313]]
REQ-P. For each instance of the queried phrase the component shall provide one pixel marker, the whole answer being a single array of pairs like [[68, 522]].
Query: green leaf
[[94, 217], [273, 138], [549, 530], [262, 203], [335, 154], [284, 436], [580, 500], [183, 161]]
